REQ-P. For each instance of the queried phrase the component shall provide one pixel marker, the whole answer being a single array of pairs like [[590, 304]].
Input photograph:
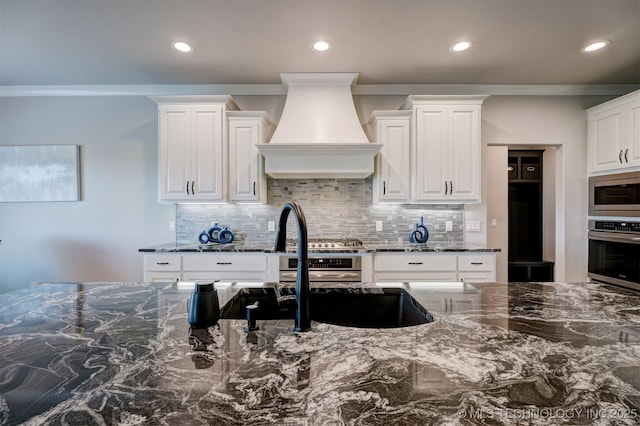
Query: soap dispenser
[[204, 308]]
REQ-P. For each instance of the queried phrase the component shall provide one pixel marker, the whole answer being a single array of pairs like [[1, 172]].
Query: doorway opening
[[527, 210]]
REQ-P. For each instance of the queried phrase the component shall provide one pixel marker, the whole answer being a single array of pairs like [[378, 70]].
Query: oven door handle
[[317, 276], [614, 237]]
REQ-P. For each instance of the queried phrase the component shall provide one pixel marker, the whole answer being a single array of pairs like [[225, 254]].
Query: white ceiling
[[128, 42]]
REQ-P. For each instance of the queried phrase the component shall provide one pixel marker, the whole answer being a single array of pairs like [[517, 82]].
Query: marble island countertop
[[122, 353]]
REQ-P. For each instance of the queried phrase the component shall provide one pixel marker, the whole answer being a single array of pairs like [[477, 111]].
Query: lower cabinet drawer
[[163, 262], [475, 263], [432, 262], [225, 262]]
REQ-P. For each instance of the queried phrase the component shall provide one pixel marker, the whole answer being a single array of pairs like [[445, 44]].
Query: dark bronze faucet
[[303, 293]]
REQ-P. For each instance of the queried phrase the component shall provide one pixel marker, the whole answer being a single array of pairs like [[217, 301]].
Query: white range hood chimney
[[319, 134]]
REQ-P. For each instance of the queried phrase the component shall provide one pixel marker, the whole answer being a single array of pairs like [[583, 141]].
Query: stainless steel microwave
[[615, 195]]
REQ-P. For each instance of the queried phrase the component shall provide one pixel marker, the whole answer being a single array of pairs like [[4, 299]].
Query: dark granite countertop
[[207, 248], [265, 248], [431, 248], [122, 353]]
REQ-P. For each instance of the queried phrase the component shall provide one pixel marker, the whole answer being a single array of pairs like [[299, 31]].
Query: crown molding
[[357, 90]]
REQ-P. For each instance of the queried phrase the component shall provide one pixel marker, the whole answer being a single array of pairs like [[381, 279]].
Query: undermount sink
[[350, 307]]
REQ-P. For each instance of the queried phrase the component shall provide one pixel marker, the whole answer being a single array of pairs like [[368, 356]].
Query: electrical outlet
[[378, 226], [474, 226], [172, 226], [448, 226], [271, 226]]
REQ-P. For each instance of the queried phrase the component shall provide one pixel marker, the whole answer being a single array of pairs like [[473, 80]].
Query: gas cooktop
[[329, 244]]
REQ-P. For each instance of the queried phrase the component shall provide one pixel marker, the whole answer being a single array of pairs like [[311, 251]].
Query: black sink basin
[[350, 307]]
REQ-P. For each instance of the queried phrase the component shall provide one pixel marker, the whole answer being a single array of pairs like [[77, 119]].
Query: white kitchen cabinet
[[224, 266], [247, 180], [429, 266], [476, 268], [188, 266], [164, 267], [392, 178], [614, 135], [192, 148], [447, 149], [404, 267]]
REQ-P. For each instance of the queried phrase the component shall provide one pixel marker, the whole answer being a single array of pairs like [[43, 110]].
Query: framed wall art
[[39, 173]]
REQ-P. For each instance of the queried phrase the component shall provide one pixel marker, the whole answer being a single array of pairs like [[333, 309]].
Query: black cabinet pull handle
[[626, 155], [162, 263], [384, 187], [620, 156], [187, 187], [450, 187], [477, 263], [223, 263], [416, 263], [193, 182], [446, 187], [254, 187]]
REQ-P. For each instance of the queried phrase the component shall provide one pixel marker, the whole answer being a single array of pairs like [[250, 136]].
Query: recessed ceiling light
[[592, 47], [321, 45], [460, 46], [183, 47]]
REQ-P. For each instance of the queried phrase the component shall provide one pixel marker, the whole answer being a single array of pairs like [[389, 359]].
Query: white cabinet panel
[[392, 180], [614, 135], [247, 180], [423, 267]]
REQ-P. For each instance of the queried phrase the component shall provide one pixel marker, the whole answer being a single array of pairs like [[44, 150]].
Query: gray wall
[[98, 237]]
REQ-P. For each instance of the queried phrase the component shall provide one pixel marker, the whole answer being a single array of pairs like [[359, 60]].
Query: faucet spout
[[303, 292]]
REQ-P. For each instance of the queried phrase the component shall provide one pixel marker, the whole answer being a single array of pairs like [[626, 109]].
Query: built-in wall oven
[[615, 195], [614, 252], [330, 260]]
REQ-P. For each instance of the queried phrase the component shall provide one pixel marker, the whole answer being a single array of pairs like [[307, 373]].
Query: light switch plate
[[378, 226], [448, 226], [271, 226]]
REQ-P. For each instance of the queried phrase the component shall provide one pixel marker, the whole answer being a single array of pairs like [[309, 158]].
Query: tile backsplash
[[333, 209]]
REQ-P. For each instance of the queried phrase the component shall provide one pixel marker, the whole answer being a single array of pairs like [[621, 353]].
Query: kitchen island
[[123, 353]]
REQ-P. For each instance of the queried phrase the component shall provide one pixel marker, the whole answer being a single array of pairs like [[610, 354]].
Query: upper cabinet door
[[464, 153], [432, 153], [207, 153], [614, 135], [191, 153], [174, 151], [247, 180], [447, 165], [392, 180]]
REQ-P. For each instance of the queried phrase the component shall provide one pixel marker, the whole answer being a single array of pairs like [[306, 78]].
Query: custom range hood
[[319, 134]]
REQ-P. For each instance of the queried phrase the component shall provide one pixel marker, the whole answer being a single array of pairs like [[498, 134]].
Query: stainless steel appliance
[[330, 260], [615, 195], [614, 252]]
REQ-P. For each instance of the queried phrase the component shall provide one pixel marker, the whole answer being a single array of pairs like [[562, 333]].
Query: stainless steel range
[[330, 260]]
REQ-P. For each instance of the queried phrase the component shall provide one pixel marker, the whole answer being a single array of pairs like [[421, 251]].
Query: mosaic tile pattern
[[333, 209]]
